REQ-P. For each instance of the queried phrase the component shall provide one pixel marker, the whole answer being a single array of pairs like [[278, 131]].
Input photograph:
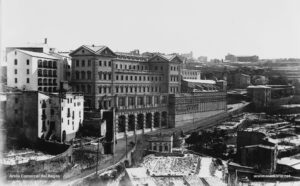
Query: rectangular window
[[16, 100], [27, 80], [105, 63], [109, 63], [16, 71], [27, 71], [16, 80], [100, 63], [89, 63], [27, 62], [83, 63], [77, 63]]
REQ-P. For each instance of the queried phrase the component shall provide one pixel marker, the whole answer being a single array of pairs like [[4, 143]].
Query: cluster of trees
[[208, 140]]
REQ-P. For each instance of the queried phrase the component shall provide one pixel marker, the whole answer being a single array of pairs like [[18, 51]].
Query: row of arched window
[[47, 64], [47, 81], [47, 73]]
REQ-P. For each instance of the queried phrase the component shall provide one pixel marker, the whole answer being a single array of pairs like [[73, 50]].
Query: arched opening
[[45, 81], [50, 64], [40, 63], [45, 73], [40, 89], [45, 63], [156, 119], [131, 122], [40, 81], [50, 73], [49, 89], [40, 72], [121, 124], [164, 120], [49, 82], [148, 120], [64, 136], [140, 121], [45, 89], [54, 64]]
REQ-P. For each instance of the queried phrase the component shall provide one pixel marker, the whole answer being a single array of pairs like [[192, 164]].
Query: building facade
[[32, 71], [34, 115], [138, 86], [162, 143]]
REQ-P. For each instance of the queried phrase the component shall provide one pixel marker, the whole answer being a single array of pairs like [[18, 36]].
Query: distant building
[[241, 80], [31, 115], [247, 58], [190, 73], [188, 55], [230, 58], [233, 58], [32, 71], [160, 143], [202, 59], [270, 96]]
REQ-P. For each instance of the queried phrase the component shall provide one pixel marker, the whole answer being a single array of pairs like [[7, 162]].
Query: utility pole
[[126, 144], [98, 143], [97, 156]]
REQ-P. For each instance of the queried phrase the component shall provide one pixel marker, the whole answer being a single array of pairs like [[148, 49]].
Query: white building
[[190, 73], [31, 115], [29, 70]]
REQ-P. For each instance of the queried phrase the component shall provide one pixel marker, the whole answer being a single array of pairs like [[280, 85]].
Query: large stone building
[[31, 115], [138, 86]]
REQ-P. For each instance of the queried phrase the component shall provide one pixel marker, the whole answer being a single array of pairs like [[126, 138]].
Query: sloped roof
[[168, 57], [37, 54], [94, 49]]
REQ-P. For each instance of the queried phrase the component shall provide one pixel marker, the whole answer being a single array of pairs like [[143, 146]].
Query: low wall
[[205, 123]]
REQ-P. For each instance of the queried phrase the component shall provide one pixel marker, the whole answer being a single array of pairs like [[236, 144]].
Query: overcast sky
[[268, 28]]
